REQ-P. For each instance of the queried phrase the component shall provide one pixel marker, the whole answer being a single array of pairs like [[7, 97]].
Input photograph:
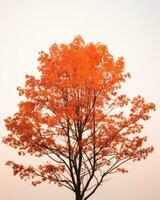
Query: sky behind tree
[[130, 29]]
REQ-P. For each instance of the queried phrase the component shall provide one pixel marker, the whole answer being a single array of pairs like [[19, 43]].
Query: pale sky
[[130, 28]]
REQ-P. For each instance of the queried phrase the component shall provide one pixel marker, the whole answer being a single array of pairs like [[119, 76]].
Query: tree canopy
[[74, 116]]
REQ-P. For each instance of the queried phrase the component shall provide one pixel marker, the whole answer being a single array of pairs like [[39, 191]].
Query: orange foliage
[[74, 116]]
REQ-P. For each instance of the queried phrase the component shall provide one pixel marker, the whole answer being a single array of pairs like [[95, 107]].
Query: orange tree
[[73, 116]]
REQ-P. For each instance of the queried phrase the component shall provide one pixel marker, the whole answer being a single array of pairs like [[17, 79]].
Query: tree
[[73, 115]]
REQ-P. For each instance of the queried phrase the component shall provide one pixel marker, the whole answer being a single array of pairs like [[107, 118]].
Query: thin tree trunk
[[78, 197]]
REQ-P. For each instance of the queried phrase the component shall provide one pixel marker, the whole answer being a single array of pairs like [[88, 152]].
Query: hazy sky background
[[129, 28]]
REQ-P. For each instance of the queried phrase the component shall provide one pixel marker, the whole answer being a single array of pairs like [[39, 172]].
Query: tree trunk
[[78, 197]]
